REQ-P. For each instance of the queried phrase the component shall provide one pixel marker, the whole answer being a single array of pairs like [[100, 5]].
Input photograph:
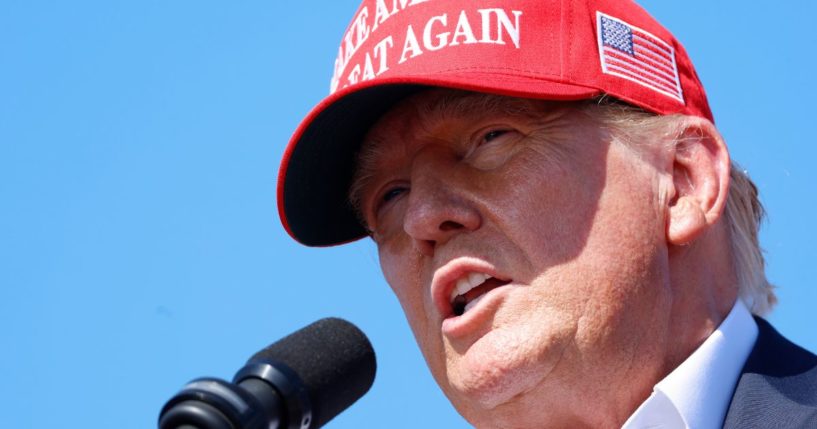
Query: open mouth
[[470, 289]]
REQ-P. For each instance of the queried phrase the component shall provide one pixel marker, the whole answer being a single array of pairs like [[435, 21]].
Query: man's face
[[549, 230]]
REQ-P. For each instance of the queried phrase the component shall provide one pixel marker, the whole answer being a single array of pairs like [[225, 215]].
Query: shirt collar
[[697, 393]]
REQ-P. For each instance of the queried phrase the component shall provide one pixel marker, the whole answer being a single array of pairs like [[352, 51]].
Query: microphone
[[299, 382]]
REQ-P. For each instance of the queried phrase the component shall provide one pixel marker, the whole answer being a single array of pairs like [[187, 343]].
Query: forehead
[[440, 115], [420, 112], [436, 114]]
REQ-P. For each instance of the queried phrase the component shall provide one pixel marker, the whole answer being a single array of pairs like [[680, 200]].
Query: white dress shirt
[[696, 394]]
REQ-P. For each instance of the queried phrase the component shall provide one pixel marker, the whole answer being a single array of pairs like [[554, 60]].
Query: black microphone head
[[334, 360]]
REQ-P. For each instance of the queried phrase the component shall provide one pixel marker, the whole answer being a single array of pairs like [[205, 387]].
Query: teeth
[[473, 303], [462, 287], [467, 283], [477, 279]]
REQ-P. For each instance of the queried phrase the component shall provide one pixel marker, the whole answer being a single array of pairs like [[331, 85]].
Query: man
[[556, 213]]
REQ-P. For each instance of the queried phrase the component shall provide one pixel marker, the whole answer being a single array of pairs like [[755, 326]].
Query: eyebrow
[[458, 104], [453, 104]]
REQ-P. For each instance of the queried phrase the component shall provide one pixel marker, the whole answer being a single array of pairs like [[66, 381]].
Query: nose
[[439, 203]]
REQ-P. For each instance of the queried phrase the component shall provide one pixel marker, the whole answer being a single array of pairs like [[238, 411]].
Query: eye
[[388, 196], [493, 135], [490, 146], [392, 193]]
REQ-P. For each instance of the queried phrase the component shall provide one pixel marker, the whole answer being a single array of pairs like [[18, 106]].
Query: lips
[[458, 286], [468, 293]]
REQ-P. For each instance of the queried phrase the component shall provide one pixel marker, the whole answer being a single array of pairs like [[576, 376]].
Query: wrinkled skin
[[539, 195]]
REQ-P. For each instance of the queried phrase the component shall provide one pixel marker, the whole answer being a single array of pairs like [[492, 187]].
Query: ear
[[700, 173]]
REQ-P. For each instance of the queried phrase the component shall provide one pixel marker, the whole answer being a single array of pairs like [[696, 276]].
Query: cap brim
[[318, 165]]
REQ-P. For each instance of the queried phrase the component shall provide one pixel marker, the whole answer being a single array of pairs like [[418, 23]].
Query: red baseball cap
[[544, 49]]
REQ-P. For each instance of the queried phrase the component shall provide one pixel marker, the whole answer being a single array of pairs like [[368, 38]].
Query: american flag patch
[[634, 54]]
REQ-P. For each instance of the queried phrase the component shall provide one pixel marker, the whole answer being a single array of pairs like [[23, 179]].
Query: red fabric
[[527, 48]]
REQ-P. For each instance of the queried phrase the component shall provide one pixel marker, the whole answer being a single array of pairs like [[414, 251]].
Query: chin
[[493, 398], [487, 377]]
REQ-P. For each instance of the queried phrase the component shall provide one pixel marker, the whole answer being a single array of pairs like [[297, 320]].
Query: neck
[[704, 290]]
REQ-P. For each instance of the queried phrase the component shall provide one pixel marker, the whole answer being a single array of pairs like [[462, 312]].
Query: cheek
[[401, 267], [548, 209], [399, 271], [622, 265]]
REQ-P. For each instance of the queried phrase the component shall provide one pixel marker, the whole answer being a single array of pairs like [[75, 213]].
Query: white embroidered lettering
[[442, 37], [503, 22], [381, 53], [410, 45], [498, 27], [368, 69], [354, 74], [463, 30], [381, 13], [362, 27]]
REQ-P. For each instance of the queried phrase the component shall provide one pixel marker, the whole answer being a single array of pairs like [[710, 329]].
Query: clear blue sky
[[139, 240]]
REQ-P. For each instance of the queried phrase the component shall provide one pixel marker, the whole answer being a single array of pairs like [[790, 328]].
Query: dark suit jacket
[[777, 387]]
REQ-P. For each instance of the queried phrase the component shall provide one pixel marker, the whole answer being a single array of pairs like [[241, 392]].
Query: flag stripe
[[641, 75], [662, 73], [661, 63], [666, 51], [616, 71], [636, 55], [629, 64], [642, 50]]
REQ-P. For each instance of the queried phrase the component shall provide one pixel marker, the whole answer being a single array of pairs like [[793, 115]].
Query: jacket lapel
[[777, 387]]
